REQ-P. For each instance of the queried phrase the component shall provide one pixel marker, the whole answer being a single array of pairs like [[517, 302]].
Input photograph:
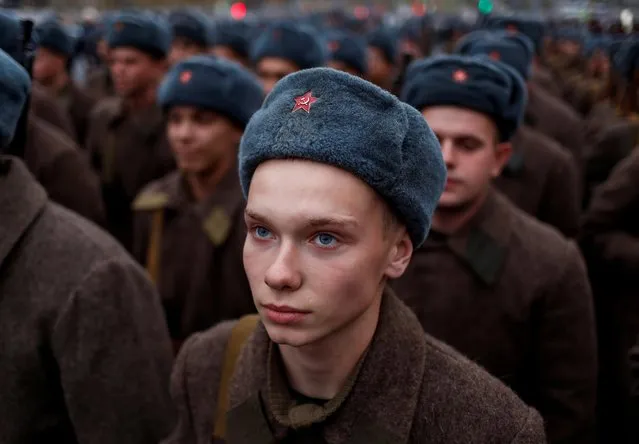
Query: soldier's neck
[[203, 184], [453, 220], [142, 101], [321, 369]]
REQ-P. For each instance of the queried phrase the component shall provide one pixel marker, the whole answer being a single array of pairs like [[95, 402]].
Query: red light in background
[[361, 12], [238, 11], [419, 8]]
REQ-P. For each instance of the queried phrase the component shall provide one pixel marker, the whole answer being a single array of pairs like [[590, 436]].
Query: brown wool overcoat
[[63, 170], [129, 150], [44, 106], [79, 105], [99, 83], [201, 275], [512, 294], [86, 356], [542, 179], [408, 389]]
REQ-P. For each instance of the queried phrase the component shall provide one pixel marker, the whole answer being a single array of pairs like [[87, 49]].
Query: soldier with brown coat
[[85, 352], [505, 290], [341, 179], [127, 141], [189, 225]]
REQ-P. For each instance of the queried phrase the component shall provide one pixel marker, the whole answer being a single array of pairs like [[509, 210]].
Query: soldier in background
[[189, 225], [382, 58], [505, 290], [192, 34], [347, 52], [127, 141], [231, 40]]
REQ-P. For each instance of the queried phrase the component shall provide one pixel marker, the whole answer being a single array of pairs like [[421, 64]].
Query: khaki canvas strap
[[155, 245], [239, 335]]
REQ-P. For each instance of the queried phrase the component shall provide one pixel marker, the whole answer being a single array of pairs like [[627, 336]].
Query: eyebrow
[[313, 221]]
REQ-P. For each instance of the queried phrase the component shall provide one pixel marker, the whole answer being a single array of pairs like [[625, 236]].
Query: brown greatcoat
[[407, 389], [198, 262], [78, 105], [542, 179], [554, 118], [512, 294], [610, 238], [100, 84], [544, 78], [129, 150], [86, 357], [63, 170], [44, 106]]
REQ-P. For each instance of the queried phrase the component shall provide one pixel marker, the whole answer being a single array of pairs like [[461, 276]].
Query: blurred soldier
[[341, 183], [540, 177], [611, 244], [50, 69], [382, 58], [505, 290], [231, 41], [49, 154], [99, 81], [127, 140], [284, 49], [85, 352], [192, 34], [189, 225], [347, 52]]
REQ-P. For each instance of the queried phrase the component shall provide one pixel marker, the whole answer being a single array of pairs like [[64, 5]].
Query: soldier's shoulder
[[157, 194], [106, 108], [460, 399]]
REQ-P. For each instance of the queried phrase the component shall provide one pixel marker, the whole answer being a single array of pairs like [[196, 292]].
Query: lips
[[283, 314]]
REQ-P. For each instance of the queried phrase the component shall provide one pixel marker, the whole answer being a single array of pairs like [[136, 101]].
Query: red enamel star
[[304, 102], [495, 55], [460, 76], [186, 76]]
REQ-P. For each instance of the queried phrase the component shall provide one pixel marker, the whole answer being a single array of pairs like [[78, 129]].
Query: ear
[[503, 151], [399, 256]]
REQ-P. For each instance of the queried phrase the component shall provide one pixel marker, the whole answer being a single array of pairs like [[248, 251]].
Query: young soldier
[[85, 352], [189, 227], [231, 41], [540, 177], [341, 179], [192, 35], [284, 49], [502, 288], [382, 58], [127, 141], [347, 52], [51, 70]]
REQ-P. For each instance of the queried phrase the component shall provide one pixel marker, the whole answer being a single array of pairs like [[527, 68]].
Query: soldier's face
[[47, 66], [201, 139], [341, 66], [471, 152], [379, 71], [318, 251], [134, 71], [182, 48], [272, 69], [228, 53]]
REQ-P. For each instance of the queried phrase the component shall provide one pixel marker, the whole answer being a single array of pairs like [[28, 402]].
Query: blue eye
[[325, 240], [261, 233]]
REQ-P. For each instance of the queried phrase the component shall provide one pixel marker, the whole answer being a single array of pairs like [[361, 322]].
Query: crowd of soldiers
[[498, 160]]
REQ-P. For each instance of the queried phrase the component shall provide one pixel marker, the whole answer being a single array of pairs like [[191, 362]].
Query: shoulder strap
[[155, 245], [239, 335]]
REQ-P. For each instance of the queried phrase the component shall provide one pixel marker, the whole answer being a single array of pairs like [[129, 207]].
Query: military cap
[[349, 49], [14, 90], [53, 36], [514, 49], [191, 25], [534, 29], [386, 41], [145, 32], [212, 83], [235, 35], [331, 117], [11, 35], [477, 83], [290, 42], [570, 34]]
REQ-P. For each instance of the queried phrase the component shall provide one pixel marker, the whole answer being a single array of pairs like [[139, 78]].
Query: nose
[[283, 274], [448, 153], [183, 131]]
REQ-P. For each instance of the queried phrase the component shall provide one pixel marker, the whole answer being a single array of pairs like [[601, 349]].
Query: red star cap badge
[[495, 55], [460, 76], [333, 46], [304, 102], [512, 28], [186, 76]]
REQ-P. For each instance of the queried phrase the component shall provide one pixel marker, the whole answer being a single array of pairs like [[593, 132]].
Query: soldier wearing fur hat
[[502, 288], [540, 177], [382, 58], [51, 70], [85, 352], [49, 154], [127, 141], [283, 49], [231, 40], [341, 180], [189, 225], [348, 53], [192, 34]]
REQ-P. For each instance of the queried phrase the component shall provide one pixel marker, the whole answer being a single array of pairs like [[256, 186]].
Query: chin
[[291, 336]]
